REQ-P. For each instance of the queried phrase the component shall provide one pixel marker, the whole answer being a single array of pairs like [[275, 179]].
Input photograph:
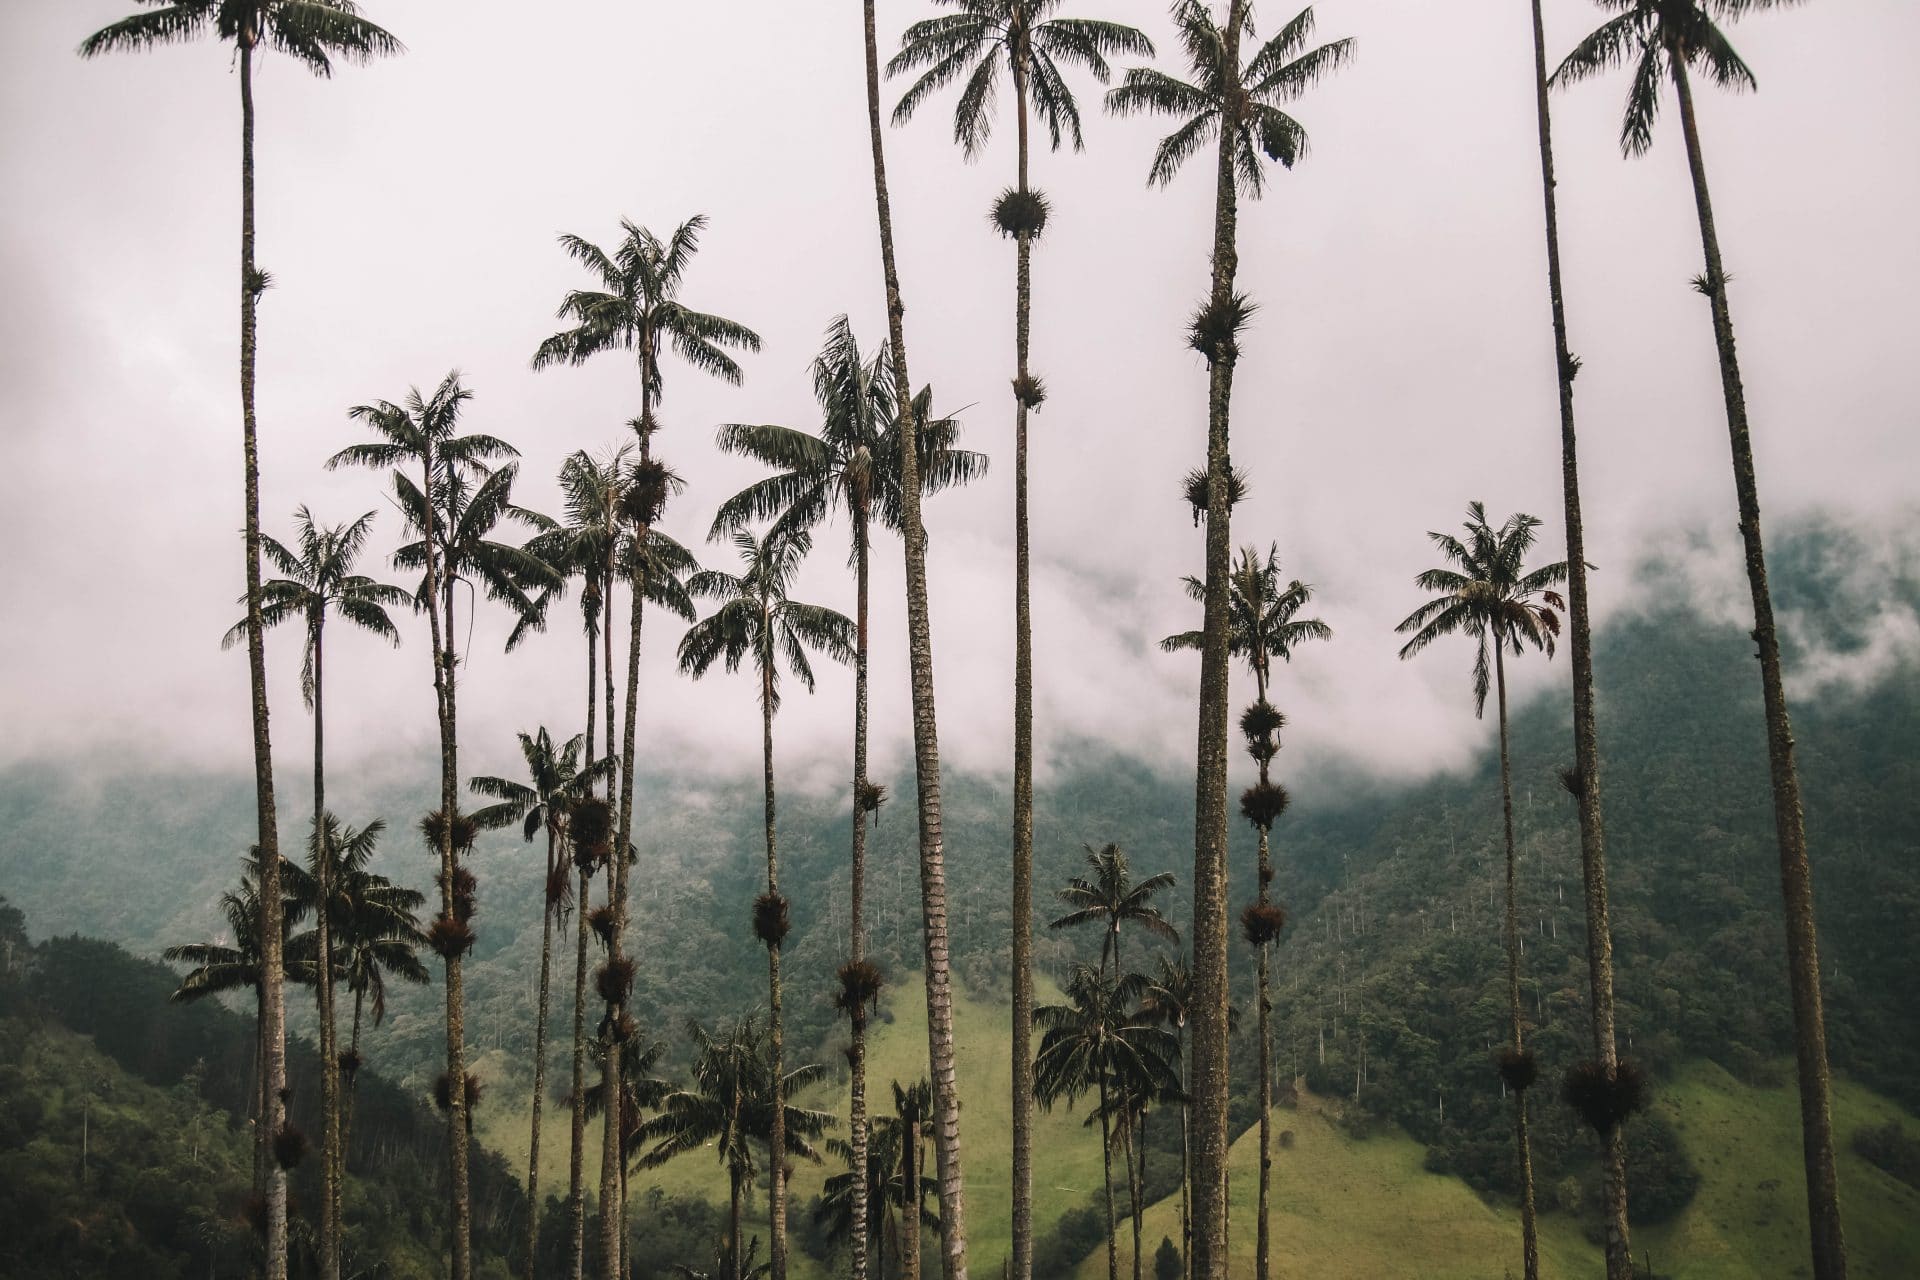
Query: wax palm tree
[[420, 433], [1109, 896], [1033, 46], [319, 579], [1165, 1000], [1666, 40], [555, 781], [728, 1106], [757, 619], [315, 33], [1239, 105], [1584, 779], [926, 735], [1099, 1042], [587, 546], [636, 307], [640, 1092], [1487, 593], [376, 935], [851, 466], [890, 1187], [238, 962], [1262, 624]]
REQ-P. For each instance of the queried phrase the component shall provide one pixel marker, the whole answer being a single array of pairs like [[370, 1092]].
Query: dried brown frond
[[614, 980], [289, 1145], [450, 936], [1263, 803], [1517, 1067], [1605, 1100], [1262, 922]]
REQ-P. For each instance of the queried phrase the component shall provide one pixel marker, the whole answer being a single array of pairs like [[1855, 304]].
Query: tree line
[[455, 492]]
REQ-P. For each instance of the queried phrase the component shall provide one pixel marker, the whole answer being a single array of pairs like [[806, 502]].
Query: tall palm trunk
[[910, 1219], [273, 1008], [1529, 1231], [1586, 742], [777, 1139], [733, 1223], [1186, 1162], [1133, 1183], [1211, 990], [926, 742], [442, 638], [323, 938], [857, 942], [540, 1056], [1796, 879], [1106, 1178], [1022, 734], [346, 1102], [576, 1202], [1263, 1234], [612, 1158]]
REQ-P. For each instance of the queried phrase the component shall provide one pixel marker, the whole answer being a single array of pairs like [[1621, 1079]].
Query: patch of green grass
[[1343, 1209]]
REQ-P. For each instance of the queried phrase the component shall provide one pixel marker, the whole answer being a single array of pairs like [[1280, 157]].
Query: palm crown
[[1248, 99], [637, 308], [1099, 1037], [985, 36], [314, 32], [554, 781], [1488, 594], [1261, 614], [1111, 896], [319, 578], [471, 504], [1660, 37], [853, 464], [757, 617], [374, 925]]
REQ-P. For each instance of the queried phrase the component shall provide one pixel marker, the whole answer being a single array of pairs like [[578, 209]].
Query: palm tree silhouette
[[757, 619], [1665, 40], [1486, 592], [315, 33], [977, 41], [636, 307], [850, 466], [1240, 106], [555, 781], [1109, 896]]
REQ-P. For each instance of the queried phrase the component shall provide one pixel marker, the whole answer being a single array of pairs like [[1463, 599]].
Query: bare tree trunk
[[612, 1158], [576, 1156], [777, 1139], [323, 939], [346, 1103], [1106, 1166], [926, 743], [1133, 1184], [1529, 1230], [1796, 877], [1022, 734], [273, 1009], [1263, 1233], [540, 1057], [910, 1220], [1186, 1164], [1586, 743], [1211, 989], [857, 941]]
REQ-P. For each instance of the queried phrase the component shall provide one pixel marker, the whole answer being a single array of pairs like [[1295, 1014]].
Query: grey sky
[[1398, 367]]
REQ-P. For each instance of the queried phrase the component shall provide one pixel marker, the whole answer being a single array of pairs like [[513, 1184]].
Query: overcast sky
[[1399, 365]]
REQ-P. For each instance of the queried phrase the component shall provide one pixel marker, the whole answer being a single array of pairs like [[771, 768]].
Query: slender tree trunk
[[273, 1017], [1529, 1230], [442, 637], [1211, 989], [1133, 1184], [540, 1058], [612, 1160], [926, 742], [576, 1155], [910, 1220], [1186, 1163], [353, 1082], [1022, 733], [1263, 1232], [323, 939], [1586, 742], [1106, 1166], [259, 1092], [777, 1140], [1796, 877], [857, 941]]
